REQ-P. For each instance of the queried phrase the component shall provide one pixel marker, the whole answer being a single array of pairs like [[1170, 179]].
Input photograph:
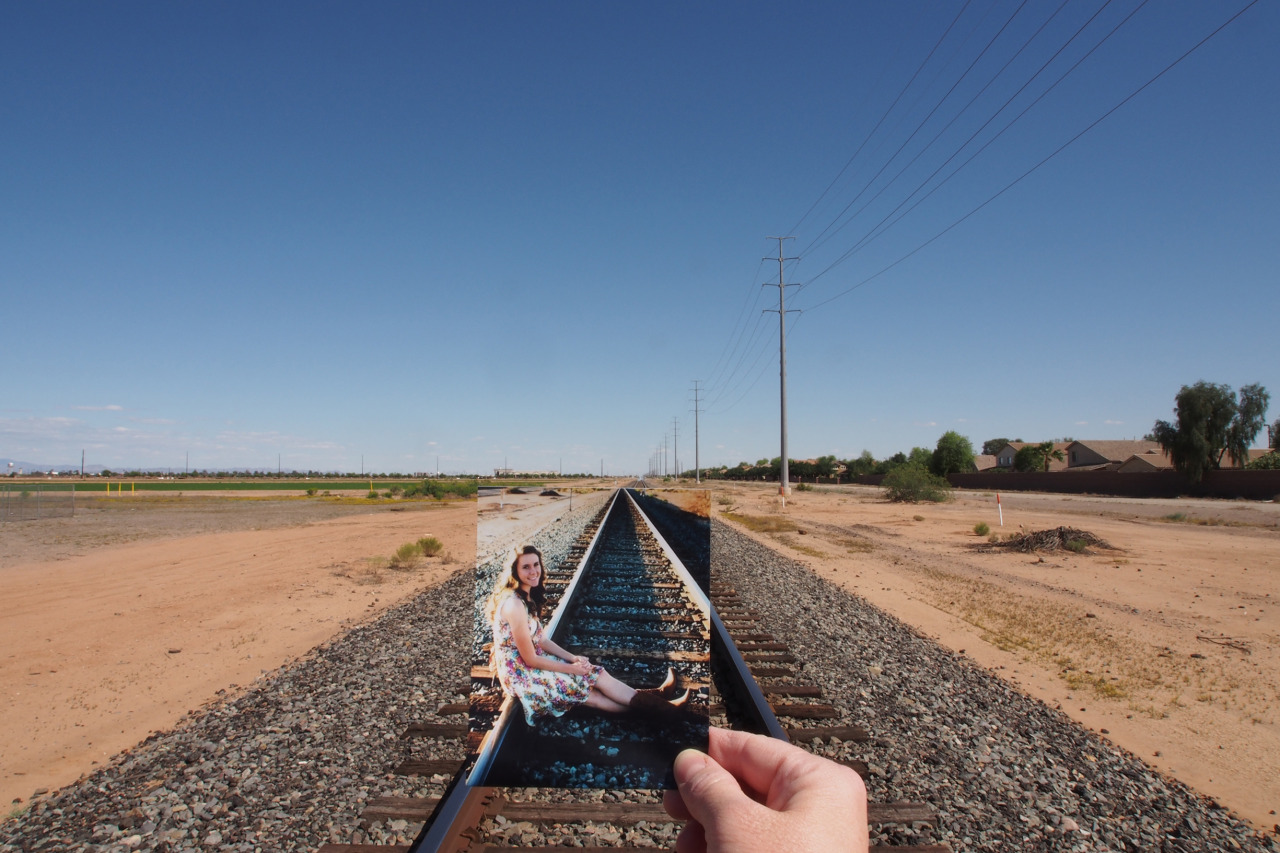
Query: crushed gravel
[[288, 763]]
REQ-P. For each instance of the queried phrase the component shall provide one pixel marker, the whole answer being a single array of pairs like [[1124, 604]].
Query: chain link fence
[[32, 501]]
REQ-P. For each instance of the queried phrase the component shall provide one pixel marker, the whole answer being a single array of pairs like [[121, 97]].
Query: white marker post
[[1000, 509]]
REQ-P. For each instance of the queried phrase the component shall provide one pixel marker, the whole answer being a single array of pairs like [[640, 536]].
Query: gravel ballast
[[288, 763], [1003, 770]]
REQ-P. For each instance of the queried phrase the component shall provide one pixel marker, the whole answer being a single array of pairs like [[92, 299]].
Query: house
[[1107, 454], [1146, 462], [1006, 454], [985, 462]]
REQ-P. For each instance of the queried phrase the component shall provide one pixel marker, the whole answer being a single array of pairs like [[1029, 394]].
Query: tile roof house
[[1151, 460], [1106, 455], [1006, 454], [985, 462]]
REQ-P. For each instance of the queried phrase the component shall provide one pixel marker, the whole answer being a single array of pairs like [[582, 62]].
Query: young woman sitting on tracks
[[544, 677]]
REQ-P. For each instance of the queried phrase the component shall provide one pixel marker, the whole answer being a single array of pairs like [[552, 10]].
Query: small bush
[[311, 493], [918, 517], [1076, 545], [1176, 516], [803, 487], [395, 492], [993, 538], [430, 546], [981, 528], [373, 494], [912, 484], [406, 554]]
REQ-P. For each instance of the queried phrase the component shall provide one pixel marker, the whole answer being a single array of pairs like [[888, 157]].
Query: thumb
[[709, 792]]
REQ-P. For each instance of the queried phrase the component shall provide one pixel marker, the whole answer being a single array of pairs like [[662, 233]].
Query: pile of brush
[[1068, 538]]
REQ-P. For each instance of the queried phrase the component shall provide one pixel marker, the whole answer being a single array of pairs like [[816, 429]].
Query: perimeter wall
[[1251, 485]]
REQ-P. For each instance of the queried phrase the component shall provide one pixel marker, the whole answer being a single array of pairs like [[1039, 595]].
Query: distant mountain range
[[28, 467]]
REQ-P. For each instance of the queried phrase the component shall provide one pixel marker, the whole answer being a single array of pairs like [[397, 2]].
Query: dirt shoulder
[[1168, 642], [116, 623]]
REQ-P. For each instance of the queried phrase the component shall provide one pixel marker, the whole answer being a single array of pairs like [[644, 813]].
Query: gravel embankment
[[1004, 771], [288, 763]]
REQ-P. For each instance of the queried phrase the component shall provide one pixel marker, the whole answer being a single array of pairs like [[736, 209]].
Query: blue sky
[[341, 234]]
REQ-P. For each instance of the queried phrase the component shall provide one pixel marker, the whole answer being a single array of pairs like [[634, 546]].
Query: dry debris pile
[[1052, 540]]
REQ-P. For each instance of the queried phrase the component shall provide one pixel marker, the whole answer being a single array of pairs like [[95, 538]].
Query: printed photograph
[[591, 652]]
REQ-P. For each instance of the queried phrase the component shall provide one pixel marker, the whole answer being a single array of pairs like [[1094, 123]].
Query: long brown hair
[[510, 580]]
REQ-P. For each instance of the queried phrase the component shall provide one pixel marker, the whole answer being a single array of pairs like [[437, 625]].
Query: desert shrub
[[993, 538], [405, 555], [373, 494], [981, 528], [441, 489], [395, 492], [912, 484], [803, 487], [1076, 545], [1176, 516], [918, 517], [311, 493], [430, 546]]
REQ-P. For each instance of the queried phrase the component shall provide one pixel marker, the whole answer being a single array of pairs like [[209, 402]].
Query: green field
[[284, 485]]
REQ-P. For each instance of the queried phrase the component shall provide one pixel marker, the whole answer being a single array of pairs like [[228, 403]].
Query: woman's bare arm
[[517, 617]]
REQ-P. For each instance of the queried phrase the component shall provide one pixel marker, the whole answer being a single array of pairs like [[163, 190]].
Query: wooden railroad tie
[[418, 809]]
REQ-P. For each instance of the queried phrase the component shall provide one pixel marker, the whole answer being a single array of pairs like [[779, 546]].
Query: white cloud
[[108, 408], [1113, 423]]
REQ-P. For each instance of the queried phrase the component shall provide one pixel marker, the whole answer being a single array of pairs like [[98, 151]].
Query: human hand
[[753, 793]]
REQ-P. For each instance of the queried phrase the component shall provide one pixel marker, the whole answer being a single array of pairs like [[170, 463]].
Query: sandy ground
[[1121, 639], [117, 622]]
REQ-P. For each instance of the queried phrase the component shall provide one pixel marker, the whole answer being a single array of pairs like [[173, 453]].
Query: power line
[[1045, 160]]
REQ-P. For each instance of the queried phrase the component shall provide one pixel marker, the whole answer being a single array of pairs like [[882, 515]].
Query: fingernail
[[689, 763]]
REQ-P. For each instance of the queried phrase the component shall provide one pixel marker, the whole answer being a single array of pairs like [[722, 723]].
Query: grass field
[[192, 485]]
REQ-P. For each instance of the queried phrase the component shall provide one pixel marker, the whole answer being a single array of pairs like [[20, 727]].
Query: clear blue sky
[[519, 231]]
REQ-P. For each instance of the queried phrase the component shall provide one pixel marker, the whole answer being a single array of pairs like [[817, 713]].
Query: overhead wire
[[872, 233], [886, 114], [1043, 161], [827, 233]]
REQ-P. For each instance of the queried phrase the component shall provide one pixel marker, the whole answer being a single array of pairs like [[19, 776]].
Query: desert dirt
[[1167, 643], [117, 622]]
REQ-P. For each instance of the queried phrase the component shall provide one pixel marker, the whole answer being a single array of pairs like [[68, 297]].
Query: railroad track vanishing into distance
[[634, 593]]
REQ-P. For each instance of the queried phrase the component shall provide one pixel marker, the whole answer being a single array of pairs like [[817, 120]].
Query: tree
[[953, 454], [1035, 457], [921, 456], [1211, 423], [992, 446], [864, 464], [912, 484], [1273, 434]]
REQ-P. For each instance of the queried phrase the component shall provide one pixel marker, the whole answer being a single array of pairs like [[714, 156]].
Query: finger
[[692, 838], [674, 804], [777, 773], [706, 788]]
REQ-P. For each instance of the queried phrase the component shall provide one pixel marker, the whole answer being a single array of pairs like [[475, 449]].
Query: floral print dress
[[540, 691]]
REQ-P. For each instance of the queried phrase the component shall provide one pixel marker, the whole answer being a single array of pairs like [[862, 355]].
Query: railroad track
[[634, 594]]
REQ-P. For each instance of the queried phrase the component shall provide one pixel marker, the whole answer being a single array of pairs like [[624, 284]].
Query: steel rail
[[462, 804], [456, 809]]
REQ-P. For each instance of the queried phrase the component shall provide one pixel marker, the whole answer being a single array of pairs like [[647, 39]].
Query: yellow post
[[133, 487]]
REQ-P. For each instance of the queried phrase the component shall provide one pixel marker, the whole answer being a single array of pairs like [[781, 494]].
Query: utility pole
[[675, 456], [784, 486], [697, 463]]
